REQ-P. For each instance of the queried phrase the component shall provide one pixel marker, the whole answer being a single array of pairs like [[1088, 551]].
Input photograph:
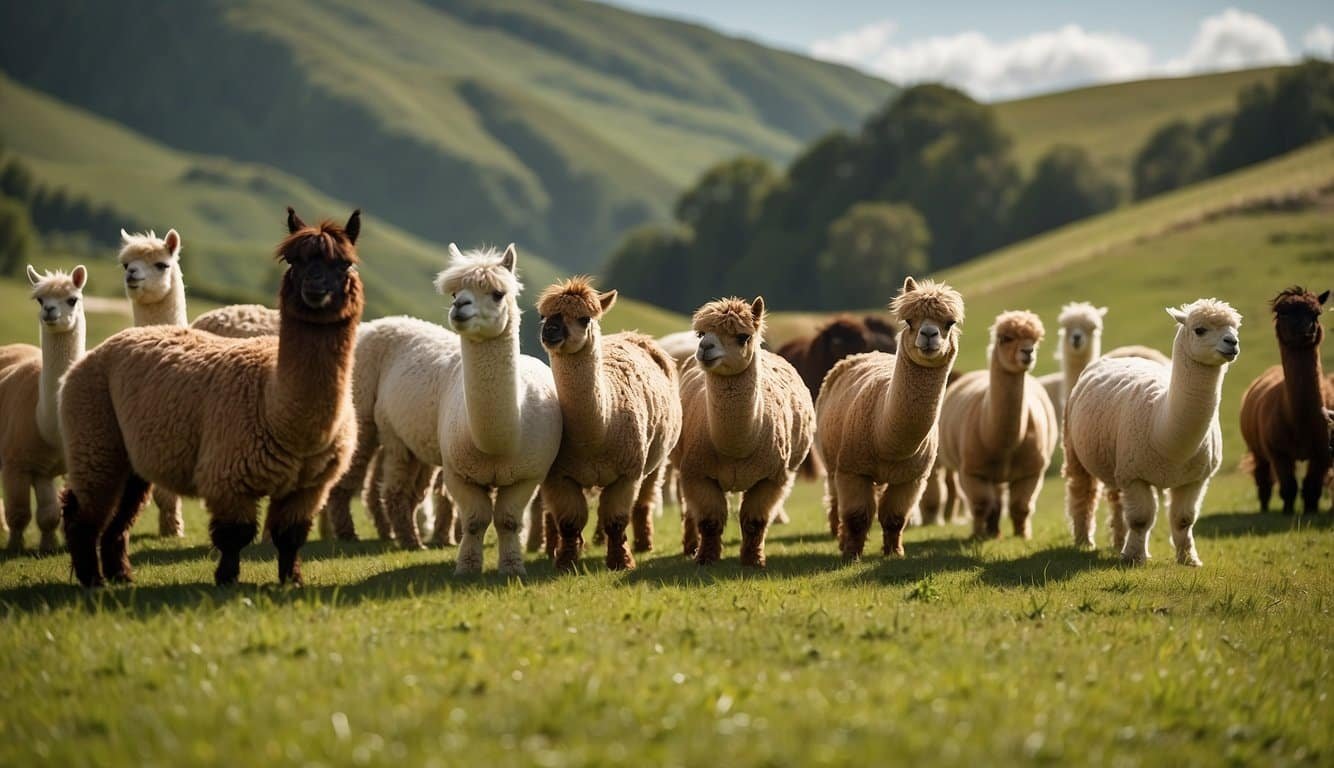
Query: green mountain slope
[[555, 124]]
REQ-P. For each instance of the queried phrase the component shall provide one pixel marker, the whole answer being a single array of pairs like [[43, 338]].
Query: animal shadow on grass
[[262, 551], [1046, 565], [922, 559], [1224, 525]]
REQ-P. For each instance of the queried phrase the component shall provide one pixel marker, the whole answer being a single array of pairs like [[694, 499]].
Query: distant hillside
[[555, 124]]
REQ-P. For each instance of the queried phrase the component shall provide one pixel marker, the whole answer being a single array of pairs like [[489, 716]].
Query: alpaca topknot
[[143, 245], [930, 299], [478, 268], [1083, 313], [1214, 312], [54, 285], [1295, 298], [575, 296], [1018, 323], [731, 315]]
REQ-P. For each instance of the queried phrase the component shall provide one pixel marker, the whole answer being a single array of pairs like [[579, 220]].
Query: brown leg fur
[[564, 500], [856, 502], [115, 538], [81, 534], [707, 505], [757, 506], [18, 490], [614, 510], [896, 501], [650, 491]]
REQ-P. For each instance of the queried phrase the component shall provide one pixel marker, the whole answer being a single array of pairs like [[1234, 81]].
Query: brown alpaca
[[240, 321], [877, 419], [228, 420], [998, 428], [622, 416], [747, 425], [1282, 410]]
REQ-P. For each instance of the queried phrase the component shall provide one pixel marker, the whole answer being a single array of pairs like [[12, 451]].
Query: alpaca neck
[[1190, 409], [585, 403], [59, 352], [1004, 424], [913, 406], [169, 311], [1073, 363], [735, 410], [305, 393], [491, 392], [1302, 382]]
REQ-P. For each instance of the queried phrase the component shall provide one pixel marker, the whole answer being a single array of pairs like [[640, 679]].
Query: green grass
[[961, 654]]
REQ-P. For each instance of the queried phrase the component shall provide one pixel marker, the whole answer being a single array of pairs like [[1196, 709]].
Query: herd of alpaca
[[308, 407]]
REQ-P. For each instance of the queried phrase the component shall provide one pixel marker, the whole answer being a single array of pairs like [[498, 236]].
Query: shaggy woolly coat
[[962, 448], [814, 356], [240, 321], [24, 451]]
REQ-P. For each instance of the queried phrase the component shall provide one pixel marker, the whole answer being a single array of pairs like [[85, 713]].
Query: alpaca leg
[[446, 516], [1140, 509], [472, 503], [856, 505], [116, 536], [615, 507], [565, 503], [290, 518], [1285, 469], [1313, 485], [756, 511], [232, 526], [779, 515], [1116, 518], [896, 502], [670, 478], [641, 517], [170, 524], [953, 511], [18, 489], [405, 482], [1264, 481], [1081, 500], [48, 512], [933, 495], [1184, 509], [537, 517], [707, 505], [512, 502], [1023, 495], [983, 499], [831, 504]]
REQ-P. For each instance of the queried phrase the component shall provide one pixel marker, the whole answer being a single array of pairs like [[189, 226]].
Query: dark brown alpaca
[[230, 421], [1282, 412]]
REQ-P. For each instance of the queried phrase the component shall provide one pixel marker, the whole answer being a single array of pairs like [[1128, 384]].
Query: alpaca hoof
[[780, 517], [1085, 545], [754, 561], [893, 551], [852, 557], [50, 545], [120, 578], [1190, 559], [643, 547], [622, 563], [513, 569], [468, 567], [1134, 559], [408, 546]]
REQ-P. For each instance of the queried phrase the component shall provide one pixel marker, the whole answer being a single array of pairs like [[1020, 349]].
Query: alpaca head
[[1297, 317], [152, 265], [1081, 328], [1209, 332], [570, 311], [321, 284], [1014, 340], [930, 313], [841, 337], [484, 292], [60, 298], [730, 332]]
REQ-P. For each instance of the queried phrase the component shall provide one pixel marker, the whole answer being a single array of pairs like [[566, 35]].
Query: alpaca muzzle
[[553, 332]]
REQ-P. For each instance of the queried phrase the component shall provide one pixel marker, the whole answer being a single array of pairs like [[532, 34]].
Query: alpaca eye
[[497, 295], [699, 334], [71, 301], [584, 321], [949, 324], [1199, 331], [1005, 339], [742, 338], [125, 267], [161, 266]]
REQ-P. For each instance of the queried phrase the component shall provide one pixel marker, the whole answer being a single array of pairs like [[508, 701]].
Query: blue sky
[[1005, 49]]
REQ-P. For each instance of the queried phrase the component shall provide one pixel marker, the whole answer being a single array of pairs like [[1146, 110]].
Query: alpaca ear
[[757, 308], [33, 277], [507, 261], [909, 284], [454, 252], [1177, 315], [353, 226], [79, 276], [1324, 297], [1102, 311], [607, 299], [173, 242], [294, 222], [124, 236]]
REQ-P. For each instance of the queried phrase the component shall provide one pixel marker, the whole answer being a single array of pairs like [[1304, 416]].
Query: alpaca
[[1135, 426], [1140, 351], [1281, 410], [1079, 343], [622, 415], [30, 439], [998, 428], [680, 345], [155, 287], [876, 419], [229, 420], [240, 321], [747, 425]]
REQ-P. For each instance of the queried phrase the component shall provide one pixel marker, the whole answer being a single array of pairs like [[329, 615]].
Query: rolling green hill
[[557, 125]]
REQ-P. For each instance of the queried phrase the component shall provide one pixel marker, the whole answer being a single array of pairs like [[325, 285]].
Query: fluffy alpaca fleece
[[1282, 410], [155, 286], [621, 409], [998, 428], [229, 420], [31, 455], [680, 345], [1136, 425], [747, 425], [240, 321], [1140, 351], [877, 419]]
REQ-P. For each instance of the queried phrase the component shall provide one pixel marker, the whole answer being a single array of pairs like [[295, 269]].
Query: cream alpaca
[[622, 415], [747, 425], [240, 321], [1136, 426], [998, 428], [155, 287], [1079, 343], [30, 446], [877, 419]]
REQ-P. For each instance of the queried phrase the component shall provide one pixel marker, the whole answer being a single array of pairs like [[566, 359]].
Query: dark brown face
[[841, 340], [1298, 327], [321, 282]]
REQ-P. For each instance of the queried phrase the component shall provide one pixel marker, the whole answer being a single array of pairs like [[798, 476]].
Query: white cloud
[[1319, 40], [1062, 58]]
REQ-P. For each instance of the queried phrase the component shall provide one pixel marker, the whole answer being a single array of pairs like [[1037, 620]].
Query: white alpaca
[[1078, 345], [31, 453], [1136, 425], [155, 287]]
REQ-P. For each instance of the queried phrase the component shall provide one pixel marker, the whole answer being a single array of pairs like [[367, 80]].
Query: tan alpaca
[[240, 321], [229, 420], [1137, 426], [30, 442], [621, 411], [998, 428], [877, 419], [747, 425]]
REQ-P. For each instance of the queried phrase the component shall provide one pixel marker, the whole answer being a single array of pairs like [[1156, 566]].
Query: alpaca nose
[[929, 332], [1076, 339], [553, 332]]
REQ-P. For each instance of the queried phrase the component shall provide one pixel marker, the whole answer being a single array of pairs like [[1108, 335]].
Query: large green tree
[[1066, 186], [649, 265], [1172, 157], [16, 234], [869, 251], [1271, 120]]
